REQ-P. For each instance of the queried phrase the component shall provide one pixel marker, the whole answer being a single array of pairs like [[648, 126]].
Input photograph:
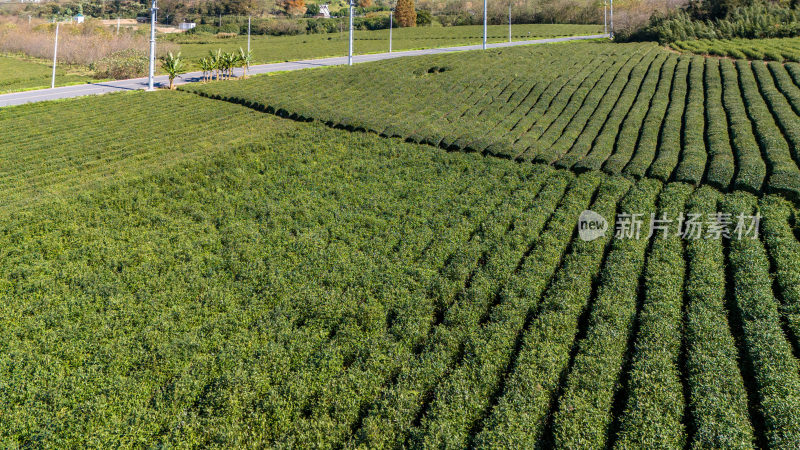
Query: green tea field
[[781, 50], [398, 259], [632, 109]]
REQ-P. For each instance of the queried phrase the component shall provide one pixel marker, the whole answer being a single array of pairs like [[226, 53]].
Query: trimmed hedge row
[[545, 133], [461, 397], [784, 249], [650, 131], [692, 163], [719, 414], [338, 400], [349, 370], [751, 169], [584, 410], [527, 131], [654, 410], [573, 151], [519, 417], [632, 127], [670, 139], [786, 85], [392, 415], [784, 175], [775, 368], [785, 118], [605, 142], [721, 165], [781, 49]]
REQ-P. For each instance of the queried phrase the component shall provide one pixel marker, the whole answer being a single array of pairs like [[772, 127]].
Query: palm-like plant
[[207, 66], [230, 62], [215, 59], [245, 58], [173, 65]]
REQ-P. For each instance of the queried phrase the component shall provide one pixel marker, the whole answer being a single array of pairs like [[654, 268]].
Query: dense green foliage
[[624, 109], [781, 50], [238, 279], [756, 21]]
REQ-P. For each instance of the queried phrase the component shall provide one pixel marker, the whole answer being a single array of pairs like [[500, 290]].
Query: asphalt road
[[192, 77]]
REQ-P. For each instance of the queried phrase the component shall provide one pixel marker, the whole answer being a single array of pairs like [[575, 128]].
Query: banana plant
[[230, 63], [173, 65], [245, 58], [207, 66], [215, 59]]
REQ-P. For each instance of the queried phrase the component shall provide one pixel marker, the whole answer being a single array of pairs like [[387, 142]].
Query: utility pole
[[117, 25], [605, 17], [391, 18], [152, 46], [612, 19], [484, 24], [248, 42], [509, 20], [350, 52], [55, 53]]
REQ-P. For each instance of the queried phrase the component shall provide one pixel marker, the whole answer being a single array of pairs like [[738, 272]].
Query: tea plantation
[[781, 50], [242, 280], [631, 109]]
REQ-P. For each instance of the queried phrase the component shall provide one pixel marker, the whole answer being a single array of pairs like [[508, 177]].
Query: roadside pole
[[55, 53], [152, 46], [117, 25], [611, 17], [248, 41], [350, 51], [509, 20], [391, 18], [605, 17], [484, 24]]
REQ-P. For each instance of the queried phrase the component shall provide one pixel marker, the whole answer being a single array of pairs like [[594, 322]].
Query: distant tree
[[365, 3], [405, 14], [424, 17], [312, 9], [292, 7]]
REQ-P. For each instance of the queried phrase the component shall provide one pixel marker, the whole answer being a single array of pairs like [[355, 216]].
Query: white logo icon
[[591, 226]]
